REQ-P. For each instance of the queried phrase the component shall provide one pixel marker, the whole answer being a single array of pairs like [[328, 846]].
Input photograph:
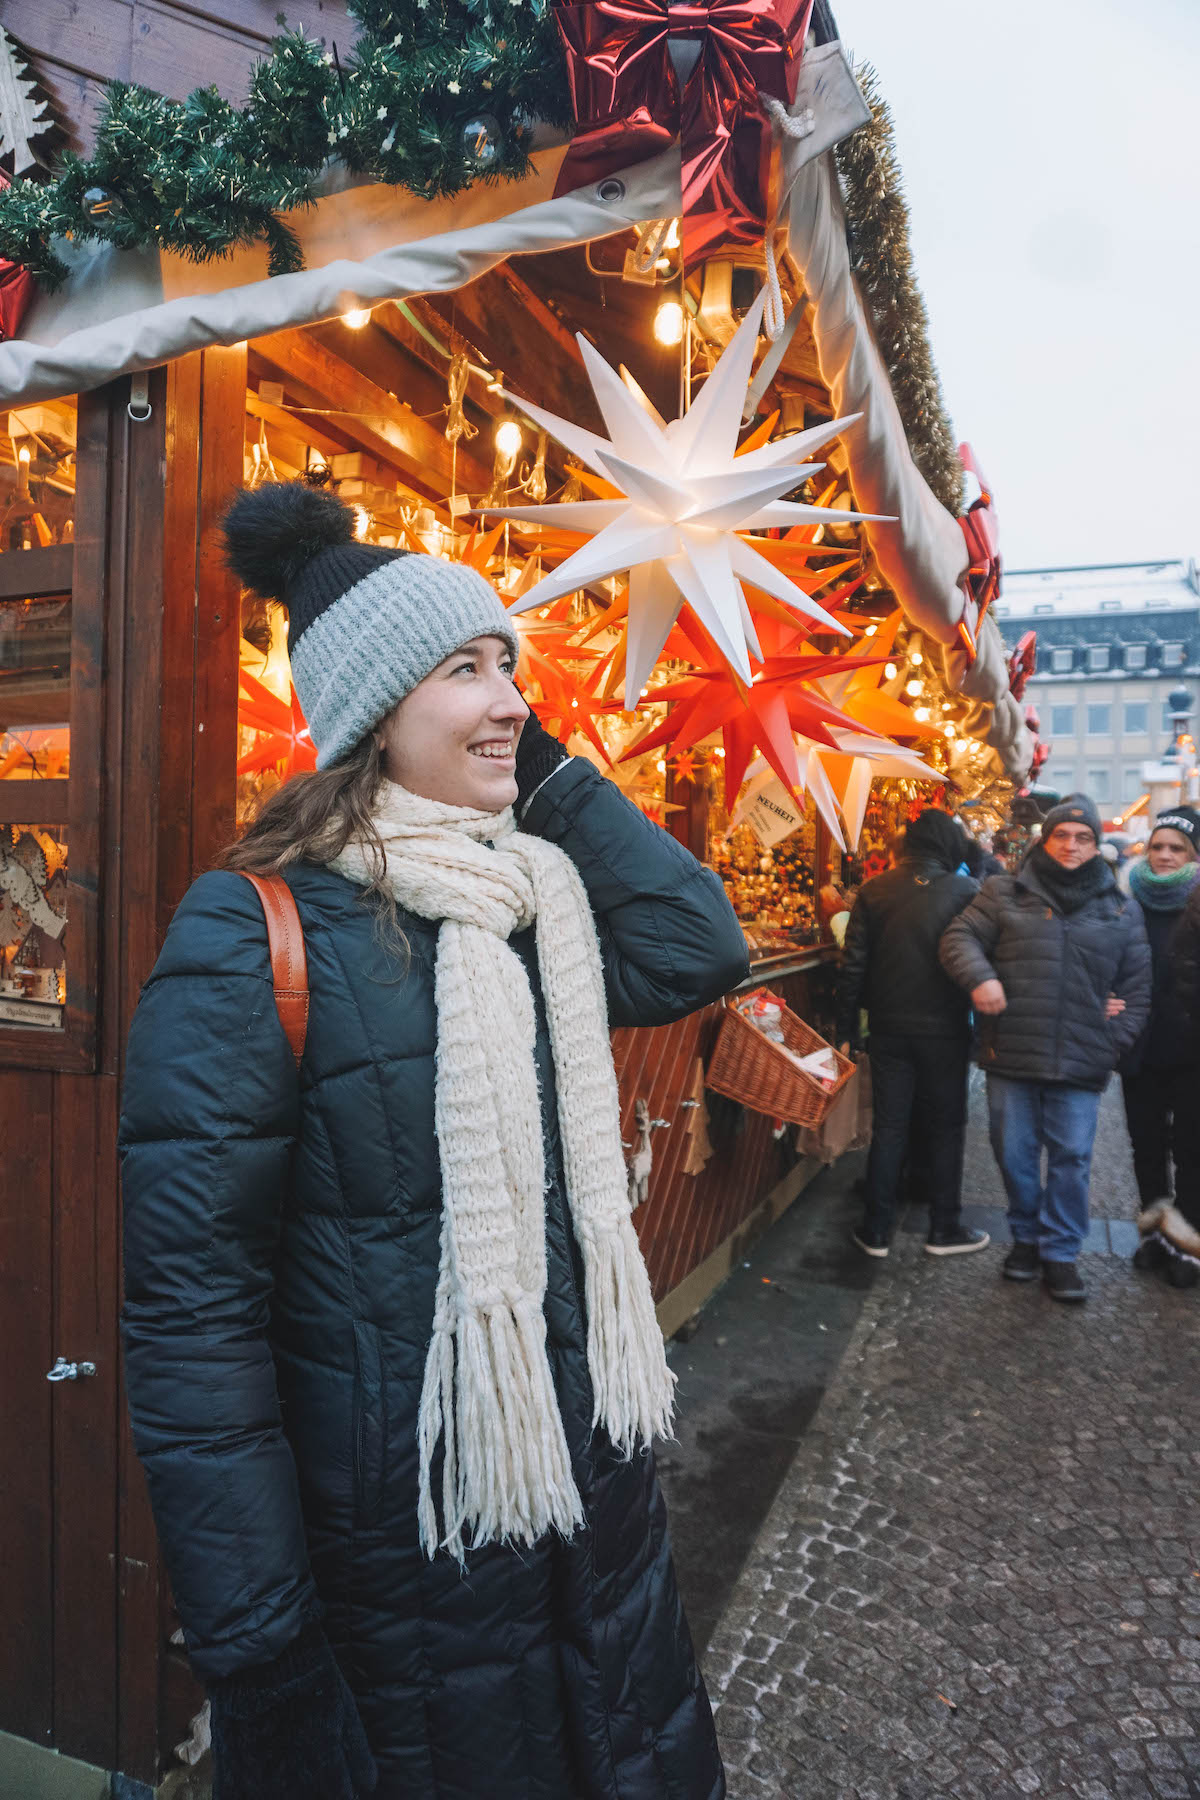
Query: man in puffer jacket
[[1046, 955]]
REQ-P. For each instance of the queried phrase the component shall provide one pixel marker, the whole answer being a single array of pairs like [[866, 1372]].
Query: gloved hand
[[538, 755], [289, 1729]]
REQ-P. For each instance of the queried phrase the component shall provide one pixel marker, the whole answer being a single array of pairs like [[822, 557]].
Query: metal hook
[[139, 407]]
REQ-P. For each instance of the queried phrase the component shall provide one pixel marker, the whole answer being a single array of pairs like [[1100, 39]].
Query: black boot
[[1022, 1263], [1063, 1281], [1183, 1272], [1151, 1253]]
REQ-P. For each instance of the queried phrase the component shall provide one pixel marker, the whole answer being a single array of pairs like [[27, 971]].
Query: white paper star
[[874, 758], [686, 496]]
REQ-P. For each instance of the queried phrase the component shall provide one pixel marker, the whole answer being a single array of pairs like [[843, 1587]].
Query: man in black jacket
[[920, 1034], [1057, 966]]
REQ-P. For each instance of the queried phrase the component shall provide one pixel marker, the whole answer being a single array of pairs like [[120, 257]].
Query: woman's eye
[[464, 668]]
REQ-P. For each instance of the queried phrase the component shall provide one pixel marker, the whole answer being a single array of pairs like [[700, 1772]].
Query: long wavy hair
[[312, 818]]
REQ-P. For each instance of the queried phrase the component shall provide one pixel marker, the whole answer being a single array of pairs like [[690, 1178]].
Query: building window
[[1097, 784], [1062, 721], [1097, 657], [1131, 784], [1099, 720], [1043, 606], [1172, 656], [1061, 661], [1135, 656], [1137, 718]]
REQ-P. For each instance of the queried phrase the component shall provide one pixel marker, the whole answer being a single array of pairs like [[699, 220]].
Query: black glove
[[289, 1729], [538, 755]]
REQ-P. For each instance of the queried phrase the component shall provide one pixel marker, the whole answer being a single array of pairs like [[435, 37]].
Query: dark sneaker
[[959, 1240], [1063, 1281], [1151, 1253], [1183, 1272], [873, 1241], [1023, 1263]]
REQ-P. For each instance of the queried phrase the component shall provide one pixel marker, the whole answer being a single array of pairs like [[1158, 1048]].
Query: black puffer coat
[[890, 962], [281, 1242], [1058, 970]]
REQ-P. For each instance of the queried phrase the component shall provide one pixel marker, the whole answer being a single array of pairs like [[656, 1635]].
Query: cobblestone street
[[980, 1576]]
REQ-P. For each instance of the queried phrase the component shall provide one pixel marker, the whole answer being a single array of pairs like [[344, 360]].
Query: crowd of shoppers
[[1054, 974]]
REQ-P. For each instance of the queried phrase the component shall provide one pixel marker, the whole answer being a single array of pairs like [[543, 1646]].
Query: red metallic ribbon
[[629, 103]]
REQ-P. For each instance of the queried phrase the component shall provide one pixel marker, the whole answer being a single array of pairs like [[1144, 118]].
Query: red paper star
[[283, 734]]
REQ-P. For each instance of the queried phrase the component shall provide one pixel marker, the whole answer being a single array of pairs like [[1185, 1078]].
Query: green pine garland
[[881, 253], [201, 177]]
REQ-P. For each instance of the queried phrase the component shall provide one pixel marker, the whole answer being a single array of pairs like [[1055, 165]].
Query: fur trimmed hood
[[1170, 1224]]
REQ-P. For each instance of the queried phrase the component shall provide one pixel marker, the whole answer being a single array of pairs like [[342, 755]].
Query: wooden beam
[[376, 421], [33, 802], [538, 359], [31, 574]]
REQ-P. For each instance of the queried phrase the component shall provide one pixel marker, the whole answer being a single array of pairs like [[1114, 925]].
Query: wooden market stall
[[147, 707]]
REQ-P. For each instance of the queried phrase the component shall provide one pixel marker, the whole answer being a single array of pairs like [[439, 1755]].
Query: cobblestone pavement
[[980, 1577]]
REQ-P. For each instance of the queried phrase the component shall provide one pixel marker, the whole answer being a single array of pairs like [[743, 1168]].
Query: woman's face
[[1168, 851], [454, 738]]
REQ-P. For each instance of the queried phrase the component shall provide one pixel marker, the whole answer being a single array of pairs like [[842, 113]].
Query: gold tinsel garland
[[878, 224]]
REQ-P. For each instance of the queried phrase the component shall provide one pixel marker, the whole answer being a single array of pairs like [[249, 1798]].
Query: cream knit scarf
[[488, 1389]]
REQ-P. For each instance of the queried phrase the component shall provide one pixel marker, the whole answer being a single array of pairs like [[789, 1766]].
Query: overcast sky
[[1051, 155]]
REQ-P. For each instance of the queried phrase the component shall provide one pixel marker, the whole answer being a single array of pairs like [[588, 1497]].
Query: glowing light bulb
[[870, 630], [668, 322], [671, 241], [950, 730], [916, 659], [914, 688], [362, 522], [508, 437], [921, 714], [890, 672], [356, 318], [23, 455], [661, 766]]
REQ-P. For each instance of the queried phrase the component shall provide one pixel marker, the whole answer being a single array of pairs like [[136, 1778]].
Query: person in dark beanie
[[1057, 967], [1160, 1075], [391, 1351], [919, 1032]]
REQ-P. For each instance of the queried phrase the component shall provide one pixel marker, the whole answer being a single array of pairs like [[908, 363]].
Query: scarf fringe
[[489, 1393], [633, 1384]]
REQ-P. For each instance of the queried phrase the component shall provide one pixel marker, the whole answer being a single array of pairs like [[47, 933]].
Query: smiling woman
[[428, 1493]]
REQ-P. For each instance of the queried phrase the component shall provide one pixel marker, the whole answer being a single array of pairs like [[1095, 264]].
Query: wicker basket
[[747, 1066]]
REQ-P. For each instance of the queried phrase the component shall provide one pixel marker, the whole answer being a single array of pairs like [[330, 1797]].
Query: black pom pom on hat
[[294, 543]]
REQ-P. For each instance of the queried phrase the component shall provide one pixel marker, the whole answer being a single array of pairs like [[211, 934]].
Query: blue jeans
[[1026, 1118]]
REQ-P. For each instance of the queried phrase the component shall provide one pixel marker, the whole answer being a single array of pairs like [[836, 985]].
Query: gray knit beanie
[[365, 624], [1076, 809]]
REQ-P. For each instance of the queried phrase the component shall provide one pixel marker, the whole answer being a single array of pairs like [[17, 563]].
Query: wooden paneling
[[75, 45], [686, 1217], [169, 681], [85, 1418], [26, 1353]]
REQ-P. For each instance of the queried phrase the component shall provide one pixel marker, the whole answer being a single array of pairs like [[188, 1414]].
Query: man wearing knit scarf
[[1159, 1075], [1057, 967]]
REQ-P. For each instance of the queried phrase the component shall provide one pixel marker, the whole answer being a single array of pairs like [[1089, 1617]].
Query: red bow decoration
[[1022, 664], [981, 529], [17, 288], [630, 102]]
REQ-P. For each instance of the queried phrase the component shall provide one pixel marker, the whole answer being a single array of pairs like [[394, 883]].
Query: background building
[[1112, 643]]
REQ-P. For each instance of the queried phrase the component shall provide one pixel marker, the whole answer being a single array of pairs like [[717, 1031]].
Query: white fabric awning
[[121, 311]]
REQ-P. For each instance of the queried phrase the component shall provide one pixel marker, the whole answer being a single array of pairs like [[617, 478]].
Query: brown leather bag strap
[[289, 961]]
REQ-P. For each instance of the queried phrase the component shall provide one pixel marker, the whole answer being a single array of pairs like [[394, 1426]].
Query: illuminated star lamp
[[283, 735], [765, 713], [683, 495]]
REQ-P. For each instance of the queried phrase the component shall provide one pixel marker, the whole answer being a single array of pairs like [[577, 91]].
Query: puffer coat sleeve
[[211, 1108], [670, 939], [1185, 969]]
